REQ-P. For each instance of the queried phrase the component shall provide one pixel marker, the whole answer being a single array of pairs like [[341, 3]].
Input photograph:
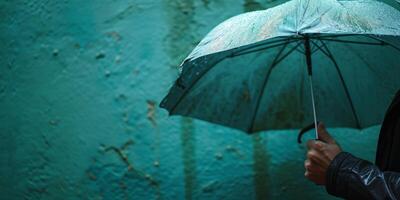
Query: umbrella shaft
[[313, 106], [307, 49]]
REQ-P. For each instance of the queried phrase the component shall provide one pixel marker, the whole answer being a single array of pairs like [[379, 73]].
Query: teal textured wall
[[80, 84]]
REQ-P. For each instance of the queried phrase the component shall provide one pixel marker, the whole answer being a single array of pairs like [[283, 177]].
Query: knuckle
[[310, 154], [319, 145], [307, 164]]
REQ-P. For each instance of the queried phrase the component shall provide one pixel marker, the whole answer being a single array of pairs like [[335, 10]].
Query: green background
[[80, 84]]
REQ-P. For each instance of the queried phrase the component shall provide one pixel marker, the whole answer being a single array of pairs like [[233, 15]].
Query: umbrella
[[287, 66]]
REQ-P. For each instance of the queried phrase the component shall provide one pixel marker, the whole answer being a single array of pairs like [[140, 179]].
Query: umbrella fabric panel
[[190, 73], [193, 70], [286, 101], [227, 93], [372, 76]]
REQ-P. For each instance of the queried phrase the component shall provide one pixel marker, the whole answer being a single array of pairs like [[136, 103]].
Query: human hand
[[319, 156]]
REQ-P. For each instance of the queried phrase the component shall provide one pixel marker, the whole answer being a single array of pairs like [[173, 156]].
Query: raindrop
[[100, 55], [118, 59], [55, 52], [218, 156], [107, 73]]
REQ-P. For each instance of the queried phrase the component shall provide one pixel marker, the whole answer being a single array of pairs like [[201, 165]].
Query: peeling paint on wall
[[189, 157], [260, 168]]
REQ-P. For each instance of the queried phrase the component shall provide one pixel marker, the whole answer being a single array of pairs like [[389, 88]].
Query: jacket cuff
[[337, 173]]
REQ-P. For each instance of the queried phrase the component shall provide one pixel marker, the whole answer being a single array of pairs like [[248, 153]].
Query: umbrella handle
[[305, 130]]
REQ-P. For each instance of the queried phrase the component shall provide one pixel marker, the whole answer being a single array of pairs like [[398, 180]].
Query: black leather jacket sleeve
[[349, 177]]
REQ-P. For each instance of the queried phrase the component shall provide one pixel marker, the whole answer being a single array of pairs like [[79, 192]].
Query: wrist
[[334, 185]]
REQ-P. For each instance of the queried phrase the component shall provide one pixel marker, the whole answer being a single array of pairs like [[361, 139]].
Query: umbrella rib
[[243, 52], [287, 54], [347, 35], [266, 43], [380, 40], [332, 36], [354, 42], [276, 61], [328, 53], [319, 48]]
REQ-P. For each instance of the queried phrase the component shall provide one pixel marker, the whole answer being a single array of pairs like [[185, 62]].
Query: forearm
[[353, 178]]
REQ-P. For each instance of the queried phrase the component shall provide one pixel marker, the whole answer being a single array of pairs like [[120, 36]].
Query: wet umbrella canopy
[[253, 71]]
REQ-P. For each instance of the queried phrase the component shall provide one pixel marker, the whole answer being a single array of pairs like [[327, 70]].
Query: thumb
[[323, 134]]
